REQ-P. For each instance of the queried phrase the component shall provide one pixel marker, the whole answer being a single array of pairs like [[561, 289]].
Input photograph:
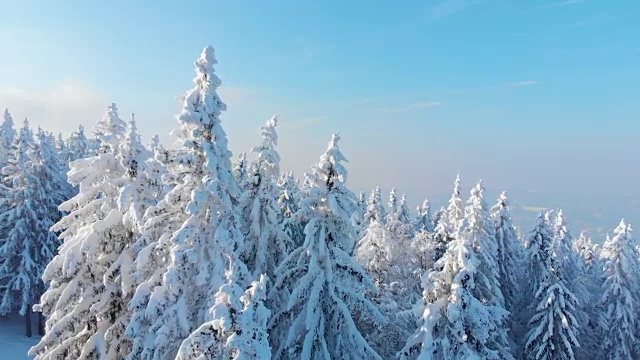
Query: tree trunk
[[27, 319], [40, 324]]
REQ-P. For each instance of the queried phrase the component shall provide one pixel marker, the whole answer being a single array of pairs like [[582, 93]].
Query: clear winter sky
[[537, 95]]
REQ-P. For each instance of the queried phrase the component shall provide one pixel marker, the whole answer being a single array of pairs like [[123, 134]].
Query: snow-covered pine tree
[[588, 251], [153, 247], [198, 249], [392, 205], [454, 322], [424, 220], [553, 326], [378, 253], [571, 266], [536, 245], [238, 330], [399, 220], [28, 245], [253, 342], [509, 253], [289, 202], [327, 285], [621, 296], [265, 243], [240, 170], [78, 304], [78, 144], [375, 209], [357, 218], [448, 220], [480, 229], [7, 137]]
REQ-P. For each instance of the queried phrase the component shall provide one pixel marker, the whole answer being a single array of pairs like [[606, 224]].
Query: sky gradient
[[527, 95]]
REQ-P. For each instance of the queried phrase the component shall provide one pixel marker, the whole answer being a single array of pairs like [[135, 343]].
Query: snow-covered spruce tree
[[289, 202], [571, 267], [357, 218], [553, 327], [509, 253], [77, 304], [392, 205], [621, 295], [233, 331], [480, 229], [588, 251], [240, 170], [135, 195], [27, 248], [326, 284], [375, 209], [424, 220], [536, 245], [153, 246], [448, 220], [399, 220], [455, 323], [78, 144], [378, 253], [7, 137], [265, 243], [253, 341], [198, 252]]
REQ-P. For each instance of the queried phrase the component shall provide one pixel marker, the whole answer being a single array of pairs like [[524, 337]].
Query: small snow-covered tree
[[357, 218], [326, 284], [454, 322], [375, 209], [289, 202], [7, 137], [78, 304], [241, 169], [588, 251], [448, 220], [78, 144], [571, 267], [621, 295], [537, 246], [553, 327], [509, 253], [265, 243], [424, 220]]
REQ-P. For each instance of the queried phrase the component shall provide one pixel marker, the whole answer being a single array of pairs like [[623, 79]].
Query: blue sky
[[527, 95]]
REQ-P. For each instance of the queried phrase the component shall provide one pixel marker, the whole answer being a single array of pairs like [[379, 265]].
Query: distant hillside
[[596, 214]]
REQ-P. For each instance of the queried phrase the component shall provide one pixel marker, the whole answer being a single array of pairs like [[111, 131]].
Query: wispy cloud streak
[[563, 3], [420, 105], [524, 83]]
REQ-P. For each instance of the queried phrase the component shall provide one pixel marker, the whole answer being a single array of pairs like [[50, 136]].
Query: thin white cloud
[[525, 83], [420, 105], [563, 3], [303, 123], [450, 7]]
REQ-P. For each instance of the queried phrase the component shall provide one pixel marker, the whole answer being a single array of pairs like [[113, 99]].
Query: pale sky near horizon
[[530, 95]]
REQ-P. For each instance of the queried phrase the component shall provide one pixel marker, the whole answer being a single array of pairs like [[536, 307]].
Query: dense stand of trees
[[137, 251]]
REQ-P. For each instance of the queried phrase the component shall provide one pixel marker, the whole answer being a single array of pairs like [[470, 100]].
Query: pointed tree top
[[330, 161], [477, 190]]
